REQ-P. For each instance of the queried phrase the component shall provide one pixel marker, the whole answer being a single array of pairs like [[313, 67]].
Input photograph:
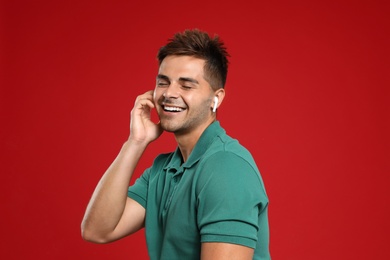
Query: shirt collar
[[207, 137], [203, 143]]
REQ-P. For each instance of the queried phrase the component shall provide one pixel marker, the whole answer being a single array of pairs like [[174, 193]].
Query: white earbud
[[215, 104]]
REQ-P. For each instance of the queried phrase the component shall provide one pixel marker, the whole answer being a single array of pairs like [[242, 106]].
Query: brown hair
[[200, 45]]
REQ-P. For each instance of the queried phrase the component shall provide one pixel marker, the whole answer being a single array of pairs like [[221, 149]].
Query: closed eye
[[162, 84], [162, 81]]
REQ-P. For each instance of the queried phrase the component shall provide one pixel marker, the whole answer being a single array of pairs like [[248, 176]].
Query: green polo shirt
[[217, 195]]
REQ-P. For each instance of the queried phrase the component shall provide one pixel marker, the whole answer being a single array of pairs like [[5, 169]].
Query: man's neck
[[187, 141]]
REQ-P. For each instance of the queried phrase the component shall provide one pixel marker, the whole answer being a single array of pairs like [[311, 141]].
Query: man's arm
[[229, 221], [225, 251], [110, 214]]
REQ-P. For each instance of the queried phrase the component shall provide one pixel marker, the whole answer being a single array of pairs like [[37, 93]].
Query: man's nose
[[172, 91]]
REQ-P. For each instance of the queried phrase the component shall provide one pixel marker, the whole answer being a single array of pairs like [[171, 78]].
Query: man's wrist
[[134, 144]]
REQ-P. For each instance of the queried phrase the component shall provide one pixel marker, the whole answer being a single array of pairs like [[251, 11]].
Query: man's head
[[200, 45]]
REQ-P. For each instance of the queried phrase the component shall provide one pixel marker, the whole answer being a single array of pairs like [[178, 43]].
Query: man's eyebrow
[[160, 76], [188, 80]]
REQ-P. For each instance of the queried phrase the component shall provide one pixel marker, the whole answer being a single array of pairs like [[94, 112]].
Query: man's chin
[[168, 130], [168, 127], [175, 129]]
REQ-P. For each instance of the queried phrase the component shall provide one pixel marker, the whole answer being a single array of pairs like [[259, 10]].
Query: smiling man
[[206, 199]]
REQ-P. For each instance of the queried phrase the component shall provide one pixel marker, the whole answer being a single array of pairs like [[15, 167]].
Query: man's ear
[[218, 98]]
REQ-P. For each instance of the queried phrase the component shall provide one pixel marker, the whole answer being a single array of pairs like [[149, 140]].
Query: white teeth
[[173, 109]]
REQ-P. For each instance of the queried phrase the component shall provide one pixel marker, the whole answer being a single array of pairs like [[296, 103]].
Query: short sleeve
[[139, 190], [230, 199]]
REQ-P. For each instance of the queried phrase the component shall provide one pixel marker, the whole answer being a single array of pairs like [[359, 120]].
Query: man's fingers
[[145, 99]]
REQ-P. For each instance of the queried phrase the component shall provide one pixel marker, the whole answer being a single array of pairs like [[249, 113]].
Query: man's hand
[[142, 129]]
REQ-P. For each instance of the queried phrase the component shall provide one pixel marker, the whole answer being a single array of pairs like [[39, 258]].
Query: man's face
[[182, 96]]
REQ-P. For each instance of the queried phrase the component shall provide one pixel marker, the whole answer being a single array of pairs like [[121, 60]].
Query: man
[[206, 200]]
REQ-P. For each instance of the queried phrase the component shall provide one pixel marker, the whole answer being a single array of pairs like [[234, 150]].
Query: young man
[[206, 200]]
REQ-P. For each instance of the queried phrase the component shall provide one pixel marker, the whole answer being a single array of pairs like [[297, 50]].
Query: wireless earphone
[[215, 104]]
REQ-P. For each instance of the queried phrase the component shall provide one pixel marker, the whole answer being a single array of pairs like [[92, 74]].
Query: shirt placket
[[173, 185]]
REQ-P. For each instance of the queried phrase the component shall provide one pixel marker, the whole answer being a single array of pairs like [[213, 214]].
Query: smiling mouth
[[172, 109]]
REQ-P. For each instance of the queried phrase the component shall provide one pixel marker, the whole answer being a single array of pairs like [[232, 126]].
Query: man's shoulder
[[162, 160], [163, 156], [225, 144], [228, 151]]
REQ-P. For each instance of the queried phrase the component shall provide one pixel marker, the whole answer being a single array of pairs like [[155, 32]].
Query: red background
[[307, 94]]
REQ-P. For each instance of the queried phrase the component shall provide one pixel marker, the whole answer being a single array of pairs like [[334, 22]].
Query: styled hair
[[200, 45]]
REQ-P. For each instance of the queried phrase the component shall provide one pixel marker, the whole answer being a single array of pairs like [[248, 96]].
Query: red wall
[[307, 93]]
